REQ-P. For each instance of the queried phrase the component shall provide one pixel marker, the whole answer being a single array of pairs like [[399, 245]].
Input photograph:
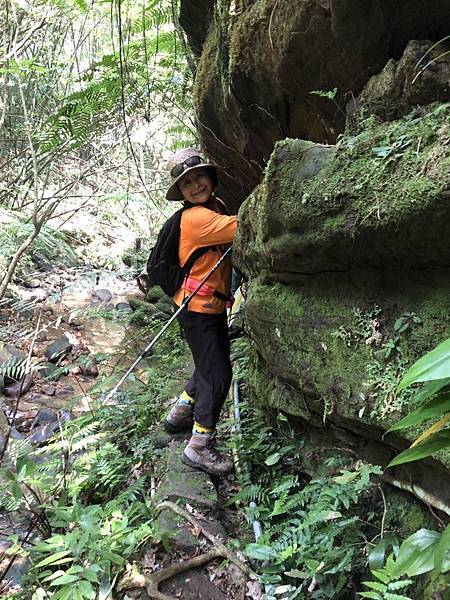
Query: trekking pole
[[166, 326]]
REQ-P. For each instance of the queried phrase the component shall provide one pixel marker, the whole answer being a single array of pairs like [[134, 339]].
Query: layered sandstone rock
[[260, 61]]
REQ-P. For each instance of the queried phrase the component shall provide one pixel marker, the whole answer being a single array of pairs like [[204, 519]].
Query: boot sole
[[194, 465]]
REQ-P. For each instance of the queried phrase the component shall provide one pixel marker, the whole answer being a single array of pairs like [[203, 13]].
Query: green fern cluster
[[49, 246], [312, 528]]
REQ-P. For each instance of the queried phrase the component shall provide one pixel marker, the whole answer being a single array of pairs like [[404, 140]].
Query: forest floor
[[75, 326]]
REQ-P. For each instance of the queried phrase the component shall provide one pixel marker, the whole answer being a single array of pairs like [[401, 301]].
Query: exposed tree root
[[220, 546], [151, 582]]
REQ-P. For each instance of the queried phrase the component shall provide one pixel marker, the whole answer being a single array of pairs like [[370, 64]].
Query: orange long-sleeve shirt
[[202, 227]]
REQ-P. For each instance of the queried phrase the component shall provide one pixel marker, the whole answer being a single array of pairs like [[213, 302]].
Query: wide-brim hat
[[187, 160]]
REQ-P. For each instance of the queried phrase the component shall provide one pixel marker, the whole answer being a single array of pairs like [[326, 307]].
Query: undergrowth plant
[[313, 529], [88, 488]]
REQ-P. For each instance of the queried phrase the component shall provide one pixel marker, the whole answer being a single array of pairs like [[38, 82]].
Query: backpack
[[163, 265]]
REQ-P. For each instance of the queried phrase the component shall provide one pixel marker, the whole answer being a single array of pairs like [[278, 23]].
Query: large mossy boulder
[[346, 249], [266, 67]]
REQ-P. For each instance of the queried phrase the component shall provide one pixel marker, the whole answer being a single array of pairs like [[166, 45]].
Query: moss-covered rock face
[[377, 200], [347, 251], [262, 59]]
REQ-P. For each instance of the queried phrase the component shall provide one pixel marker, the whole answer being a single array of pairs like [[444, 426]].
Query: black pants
[[207, 336]]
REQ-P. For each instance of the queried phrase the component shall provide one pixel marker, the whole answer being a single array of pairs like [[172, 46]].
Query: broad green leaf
[[260, 552], [429, 389], [113, 557], [86, 589], [53, 559], [439, 441], [372, 595], [24, 467], [389, 596], [416, 554], [272, 459], [16, 491], [374, 585], [8, 474], [382, 575], [297, 574], [443, 547], [434, 365], [399, 585], [91, 574], [64, 579], [54, 575], [437, 406], [378, 554]]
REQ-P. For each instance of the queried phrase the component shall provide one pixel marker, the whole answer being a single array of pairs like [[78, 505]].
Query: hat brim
[[173, 193]]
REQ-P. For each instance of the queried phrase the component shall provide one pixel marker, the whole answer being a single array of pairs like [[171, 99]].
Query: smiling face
[[196, 186]]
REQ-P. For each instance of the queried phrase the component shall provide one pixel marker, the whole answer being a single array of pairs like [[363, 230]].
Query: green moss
[[319, 340], [339, 206]]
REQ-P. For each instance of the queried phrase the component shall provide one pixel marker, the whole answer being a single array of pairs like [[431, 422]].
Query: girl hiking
[[204, 224]]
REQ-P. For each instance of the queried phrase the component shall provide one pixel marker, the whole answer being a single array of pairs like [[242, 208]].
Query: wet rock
[[31, 283], [123, 307], [49, 390], [58, 349], [396, 90], [191, 486], [19, 387], [44, 417], [50, 371], [103, 295], [65, 390], [43, 433], [17, 572], [4, 423], [259, 65]]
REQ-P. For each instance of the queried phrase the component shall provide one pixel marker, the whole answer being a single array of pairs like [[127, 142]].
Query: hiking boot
[[180, 418], [201, 453]]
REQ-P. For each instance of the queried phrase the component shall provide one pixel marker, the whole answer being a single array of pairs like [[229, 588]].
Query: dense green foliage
[[89, 488]]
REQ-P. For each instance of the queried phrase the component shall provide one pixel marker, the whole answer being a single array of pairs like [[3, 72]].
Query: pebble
[[49, 390]]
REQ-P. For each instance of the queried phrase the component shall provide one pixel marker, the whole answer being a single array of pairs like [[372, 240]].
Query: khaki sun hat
[[181, 163]]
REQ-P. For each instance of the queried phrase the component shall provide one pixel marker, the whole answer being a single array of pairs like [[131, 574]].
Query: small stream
[[79, 305]]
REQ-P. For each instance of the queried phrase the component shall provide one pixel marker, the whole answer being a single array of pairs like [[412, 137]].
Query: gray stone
[[43, 433], [11, 355], [44, 417], [31, 283], [123, 307], [259, 65], [49, 390], [58, 349], [181, 483], [21, 387], [103, 295], [40, 295]]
